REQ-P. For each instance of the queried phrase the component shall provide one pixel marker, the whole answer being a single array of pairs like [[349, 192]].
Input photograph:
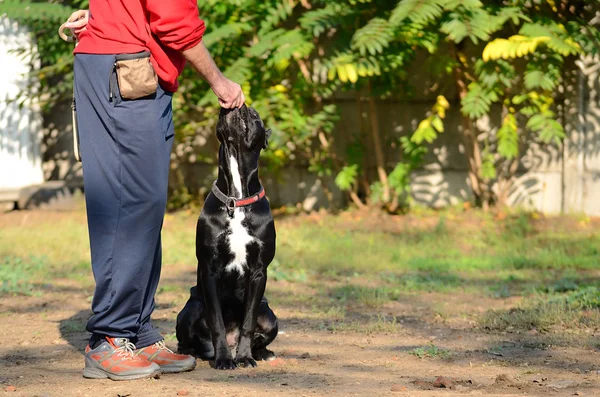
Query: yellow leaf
[[515, 47], [352, 74], [280, 88], [443, 101], [438, 124], [424, 124], [362, 70], [342, 74], [279, 153], [282, 65], [331, 74]]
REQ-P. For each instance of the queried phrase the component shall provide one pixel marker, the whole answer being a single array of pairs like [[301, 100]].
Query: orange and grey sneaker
[[115, 359], [168, 361]]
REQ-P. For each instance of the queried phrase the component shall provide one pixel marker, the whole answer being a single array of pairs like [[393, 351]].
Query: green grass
[[374, 325], [431, 351], [367, 296], [332, 267], [578, 309], [17, 275]]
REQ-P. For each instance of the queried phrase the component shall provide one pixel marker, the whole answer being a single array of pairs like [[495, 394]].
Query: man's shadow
[[73, 329]]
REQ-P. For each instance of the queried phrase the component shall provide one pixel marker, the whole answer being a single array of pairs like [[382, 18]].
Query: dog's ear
[[267, 136]]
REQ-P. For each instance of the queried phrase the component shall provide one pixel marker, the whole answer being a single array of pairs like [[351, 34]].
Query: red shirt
[[165, 28]]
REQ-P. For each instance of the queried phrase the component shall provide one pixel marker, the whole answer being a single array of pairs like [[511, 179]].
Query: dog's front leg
[[214, 316], [255, 289]]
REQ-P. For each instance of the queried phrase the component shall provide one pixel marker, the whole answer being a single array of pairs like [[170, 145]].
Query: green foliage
[[346, 178], [419, 11], [508, 137], [478, 101], [292, 60], [373, 37]]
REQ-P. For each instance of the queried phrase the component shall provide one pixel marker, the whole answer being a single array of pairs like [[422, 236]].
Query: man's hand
[[77, 22], [230, 94]]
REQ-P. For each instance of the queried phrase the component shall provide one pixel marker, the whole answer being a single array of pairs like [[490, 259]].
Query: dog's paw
[[263, 354], [245, 362], [224, 363]]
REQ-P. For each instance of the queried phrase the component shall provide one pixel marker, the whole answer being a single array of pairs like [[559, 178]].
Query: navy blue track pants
[[125, 148]]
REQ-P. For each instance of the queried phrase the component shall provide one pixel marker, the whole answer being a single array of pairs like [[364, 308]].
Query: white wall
[[20, 128]]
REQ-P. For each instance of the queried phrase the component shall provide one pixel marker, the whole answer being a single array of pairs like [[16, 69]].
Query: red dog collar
[[231, 202]]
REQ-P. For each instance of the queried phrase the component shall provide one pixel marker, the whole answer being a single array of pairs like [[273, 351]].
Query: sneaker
[[115, 359], [168, 361]]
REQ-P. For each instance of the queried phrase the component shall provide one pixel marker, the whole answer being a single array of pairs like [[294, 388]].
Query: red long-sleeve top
[[165, 28]]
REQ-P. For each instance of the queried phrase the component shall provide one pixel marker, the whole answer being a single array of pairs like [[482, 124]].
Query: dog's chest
[[239, 238]]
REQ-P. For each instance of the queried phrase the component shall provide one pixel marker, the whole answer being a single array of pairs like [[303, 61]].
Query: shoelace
[[126, 351], [160, 345]]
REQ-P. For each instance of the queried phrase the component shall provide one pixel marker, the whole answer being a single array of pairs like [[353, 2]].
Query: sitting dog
[[235, 242]]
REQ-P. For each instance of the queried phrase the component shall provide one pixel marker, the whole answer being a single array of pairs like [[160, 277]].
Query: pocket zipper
[[111, 87]]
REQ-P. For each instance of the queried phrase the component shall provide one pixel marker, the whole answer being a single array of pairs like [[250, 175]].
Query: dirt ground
[[42, 340]]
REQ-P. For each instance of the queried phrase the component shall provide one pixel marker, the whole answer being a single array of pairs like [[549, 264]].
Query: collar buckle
[[230, 204]]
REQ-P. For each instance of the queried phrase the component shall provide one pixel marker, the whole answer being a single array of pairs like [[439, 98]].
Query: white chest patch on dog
[[239, 237]]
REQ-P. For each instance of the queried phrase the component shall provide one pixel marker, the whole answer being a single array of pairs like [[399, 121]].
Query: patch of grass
[[167, 288], [435, 280], [368, 296], [334, 313], [570, 312], [585, 298], [16, 274], [431, 351], [277, 271], [376, 324]]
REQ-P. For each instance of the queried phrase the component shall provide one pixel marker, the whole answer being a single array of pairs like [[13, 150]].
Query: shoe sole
[[92, 371], [165, 369]]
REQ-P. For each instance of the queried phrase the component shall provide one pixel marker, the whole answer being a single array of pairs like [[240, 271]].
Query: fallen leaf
[[277, 362], [183, 392], [442, 382], [398, 388], [10, 388]]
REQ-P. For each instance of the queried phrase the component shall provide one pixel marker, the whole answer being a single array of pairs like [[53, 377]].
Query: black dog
[[235, 242]]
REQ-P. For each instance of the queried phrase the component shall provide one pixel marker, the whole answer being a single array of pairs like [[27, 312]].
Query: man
[[125, 146]]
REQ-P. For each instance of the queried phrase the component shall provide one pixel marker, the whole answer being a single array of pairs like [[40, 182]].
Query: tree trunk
[[469, 134], [505, 182], [363, 177], [379, 156]]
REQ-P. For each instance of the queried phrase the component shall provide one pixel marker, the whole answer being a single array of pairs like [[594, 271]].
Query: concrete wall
[[20, 132]]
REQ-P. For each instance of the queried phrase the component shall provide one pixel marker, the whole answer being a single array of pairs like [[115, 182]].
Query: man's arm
[[178, 26], [167, 28], [229, 93]]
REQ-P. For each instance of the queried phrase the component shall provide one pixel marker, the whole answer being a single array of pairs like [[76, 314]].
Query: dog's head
[[242, 128]]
